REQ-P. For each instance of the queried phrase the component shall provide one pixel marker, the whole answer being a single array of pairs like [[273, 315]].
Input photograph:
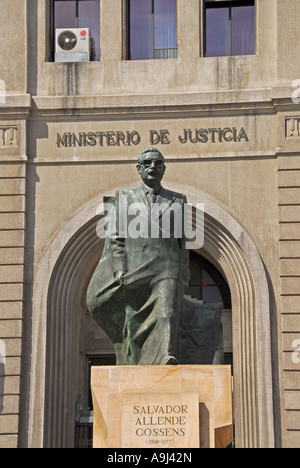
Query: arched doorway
[[207, 286], [231, 250]]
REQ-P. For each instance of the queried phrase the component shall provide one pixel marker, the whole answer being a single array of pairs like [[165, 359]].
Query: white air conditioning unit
[[73, 45]]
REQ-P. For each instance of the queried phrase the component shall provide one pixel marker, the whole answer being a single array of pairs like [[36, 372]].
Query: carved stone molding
[[293, 127], [9, 136]]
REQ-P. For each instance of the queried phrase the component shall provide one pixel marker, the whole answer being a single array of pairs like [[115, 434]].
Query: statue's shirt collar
[[148, 190]]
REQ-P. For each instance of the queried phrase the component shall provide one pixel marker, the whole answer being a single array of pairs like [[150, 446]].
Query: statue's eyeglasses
[[156, 162]]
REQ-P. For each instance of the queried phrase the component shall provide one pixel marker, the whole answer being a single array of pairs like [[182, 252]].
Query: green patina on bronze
[[137, 291]]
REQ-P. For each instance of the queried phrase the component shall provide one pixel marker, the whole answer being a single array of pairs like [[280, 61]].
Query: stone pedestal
[[162, 406]]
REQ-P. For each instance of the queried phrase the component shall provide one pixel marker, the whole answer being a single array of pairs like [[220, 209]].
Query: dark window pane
[[211, 295], [141, 36], [64, 14], [89, 17], [243, 30], [207, 279], [165, 24], [217, 32]]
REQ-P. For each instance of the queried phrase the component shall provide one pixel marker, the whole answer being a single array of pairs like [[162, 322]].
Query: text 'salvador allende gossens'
[[160, 421]]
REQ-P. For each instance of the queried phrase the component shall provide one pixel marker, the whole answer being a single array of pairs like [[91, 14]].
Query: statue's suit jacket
[[142, 259]]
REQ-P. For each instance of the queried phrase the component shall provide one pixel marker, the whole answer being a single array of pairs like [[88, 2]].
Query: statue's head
[[151, 166]]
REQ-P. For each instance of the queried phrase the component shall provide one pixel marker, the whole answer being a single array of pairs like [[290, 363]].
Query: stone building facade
[[70, 133]]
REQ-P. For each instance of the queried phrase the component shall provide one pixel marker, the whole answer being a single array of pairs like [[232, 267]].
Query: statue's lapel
[[140, 196], [165, 198]]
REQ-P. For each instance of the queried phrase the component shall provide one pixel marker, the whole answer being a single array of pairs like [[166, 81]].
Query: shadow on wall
[[2, 373]]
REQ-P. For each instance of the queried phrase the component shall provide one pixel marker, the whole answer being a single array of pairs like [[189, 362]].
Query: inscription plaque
[[160, 420]]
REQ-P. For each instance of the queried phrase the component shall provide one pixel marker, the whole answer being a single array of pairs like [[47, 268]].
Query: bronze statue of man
[[136, 293]]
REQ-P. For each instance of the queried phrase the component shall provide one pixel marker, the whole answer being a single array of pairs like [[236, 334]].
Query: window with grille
[[229, 28], [152, 29]]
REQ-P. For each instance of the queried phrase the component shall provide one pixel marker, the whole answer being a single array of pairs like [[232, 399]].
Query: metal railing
[[165, 53]]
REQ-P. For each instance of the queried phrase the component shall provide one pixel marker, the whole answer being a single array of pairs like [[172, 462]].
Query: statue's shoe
[[170, 361]]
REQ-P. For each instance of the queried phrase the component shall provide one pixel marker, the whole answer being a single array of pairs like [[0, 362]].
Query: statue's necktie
[[152, 197]]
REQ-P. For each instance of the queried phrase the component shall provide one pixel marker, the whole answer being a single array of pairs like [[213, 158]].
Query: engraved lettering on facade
[[214, 135], [110, 138], [156, 137], [293, 127], [9, 136]]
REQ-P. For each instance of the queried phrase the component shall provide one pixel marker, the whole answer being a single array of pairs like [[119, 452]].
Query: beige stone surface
[[289, 362], [11, 273], [293, 439], [155, 420], [291, 322], [11, 328], [11, 386], [12, 170], [290, 268], [11, 238], [289, 195], [11, 310], [10, 404], [292, 400], [291, 342], [12, 220], [12, 204], [292, 380], [12, 291], [290, 249], [12, 186], [290, 304], [289, 231], [293, 420], [288, 163], [13, 346], [288, 178], [8, 441], [119, 393], [290, 285], [11, 256], [13, 365], [290, 213], [13, 22], [288, 70], [10, 422]]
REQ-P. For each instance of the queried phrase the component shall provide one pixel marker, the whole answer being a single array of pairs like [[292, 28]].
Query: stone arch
[[67, 266]]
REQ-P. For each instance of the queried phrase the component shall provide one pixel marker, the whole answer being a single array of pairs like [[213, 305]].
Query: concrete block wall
[[289, 212], [12, 232]]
